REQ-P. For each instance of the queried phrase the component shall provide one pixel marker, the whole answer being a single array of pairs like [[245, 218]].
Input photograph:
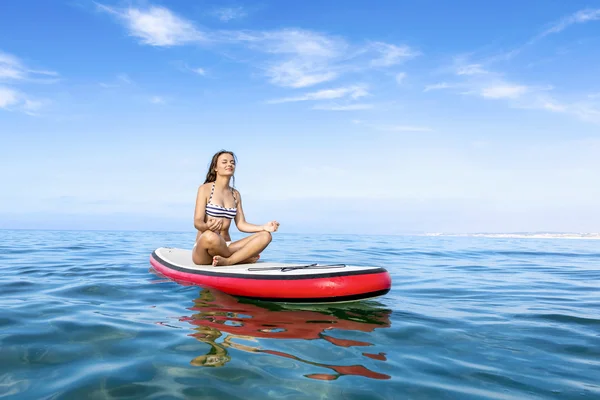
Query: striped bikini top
[[217, 211]]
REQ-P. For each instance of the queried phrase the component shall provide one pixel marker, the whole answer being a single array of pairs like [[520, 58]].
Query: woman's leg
[[244, 249], [210, 244], [238, 244]]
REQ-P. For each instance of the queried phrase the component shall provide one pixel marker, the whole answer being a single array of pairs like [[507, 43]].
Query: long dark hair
[[211, 175]]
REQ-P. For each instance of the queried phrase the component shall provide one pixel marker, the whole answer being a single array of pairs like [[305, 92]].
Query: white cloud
[[124, 78], [471, 69], [299, 73], [157, 100], [157, 26], [302, 43], [14, 100], [121, 79], [296, 58], [311, 58], [13, 69], [586, 111], [43, 72], [462, 65], [502, 91], [579, 17], [353, 92], [490, 86], [302, 58], [390, 54], [475, 78], [400, 77], [184, 67], [228, 13], [438, 86], [9, 59], [533, 98], [553, 106], [8, 97], [9, 72], [32, 105], [347, 107]]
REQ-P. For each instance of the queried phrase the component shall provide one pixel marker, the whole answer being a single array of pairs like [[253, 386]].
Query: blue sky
[[428, 116]]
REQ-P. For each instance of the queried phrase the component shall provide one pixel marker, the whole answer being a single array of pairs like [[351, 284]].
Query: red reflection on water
[[340, 369], [219, 314], [345, 342], [379, 356]]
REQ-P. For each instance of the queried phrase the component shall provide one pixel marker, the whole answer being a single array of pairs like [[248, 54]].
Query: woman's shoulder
[[203, 188]]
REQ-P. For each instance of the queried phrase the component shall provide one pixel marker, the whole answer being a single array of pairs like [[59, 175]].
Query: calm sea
[[82, 316]]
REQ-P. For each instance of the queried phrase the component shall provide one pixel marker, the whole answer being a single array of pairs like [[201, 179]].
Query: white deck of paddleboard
[[182, 258]]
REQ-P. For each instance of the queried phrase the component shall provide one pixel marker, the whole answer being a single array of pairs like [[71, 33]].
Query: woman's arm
[[200, 211], [244, 226]]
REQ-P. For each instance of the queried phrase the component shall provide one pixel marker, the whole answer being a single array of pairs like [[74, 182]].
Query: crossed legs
[[212, 249]]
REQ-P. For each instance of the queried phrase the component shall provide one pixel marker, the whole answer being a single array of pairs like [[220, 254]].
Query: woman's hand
[[214, 224], [271, 226]]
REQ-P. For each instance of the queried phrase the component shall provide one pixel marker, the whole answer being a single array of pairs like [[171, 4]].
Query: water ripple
[[83, 316]]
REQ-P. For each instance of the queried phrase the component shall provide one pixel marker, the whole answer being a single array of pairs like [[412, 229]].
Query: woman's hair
[[211, 175]]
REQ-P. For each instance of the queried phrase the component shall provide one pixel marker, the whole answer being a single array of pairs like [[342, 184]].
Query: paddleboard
[[277, 282]]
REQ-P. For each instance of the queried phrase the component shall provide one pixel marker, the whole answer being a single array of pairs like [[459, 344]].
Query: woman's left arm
[[244, 226]]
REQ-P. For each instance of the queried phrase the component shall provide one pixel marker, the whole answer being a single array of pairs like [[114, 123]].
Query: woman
[[217, 204]]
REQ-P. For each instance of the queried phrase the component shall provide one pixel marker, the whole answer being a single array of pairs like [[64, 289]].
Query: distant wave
[[532, 235]]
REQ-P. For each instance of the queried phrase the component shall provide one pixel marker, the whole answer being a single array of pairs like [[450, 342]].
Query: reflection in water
[[219, 314]]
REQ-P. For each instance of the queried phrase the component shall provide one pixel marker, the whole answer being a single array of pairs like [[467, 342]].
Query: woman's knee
[[266, 236], [209, 239]]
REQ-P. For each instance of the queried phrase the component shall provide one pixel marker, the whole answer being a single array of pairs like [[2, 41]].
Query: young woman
[[217, 204]]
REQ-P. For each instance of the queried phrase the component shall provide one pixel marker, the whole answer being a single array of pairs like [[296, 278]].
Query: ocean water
[[82, 316]]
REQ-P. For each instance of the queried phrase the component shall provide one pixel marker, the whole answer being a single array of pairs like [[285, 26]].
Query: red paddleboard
[[277, 282]]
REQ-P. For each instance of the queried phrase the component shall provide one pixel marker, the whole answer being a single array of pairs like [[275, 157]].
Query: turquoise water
[[83, 316]]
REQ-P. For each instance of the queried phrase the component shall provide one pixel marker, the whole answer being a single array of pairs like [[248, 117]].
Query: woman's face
[[225, 165]]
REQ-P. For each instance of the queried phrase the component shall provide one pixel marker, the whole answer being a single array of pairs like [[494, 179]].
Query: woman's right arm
[[200, 211]]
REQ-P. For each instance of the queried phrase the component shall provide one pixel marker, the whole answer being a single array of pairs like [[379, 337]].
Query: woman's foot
[[251, 260], [218, 261], [222, 261]]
